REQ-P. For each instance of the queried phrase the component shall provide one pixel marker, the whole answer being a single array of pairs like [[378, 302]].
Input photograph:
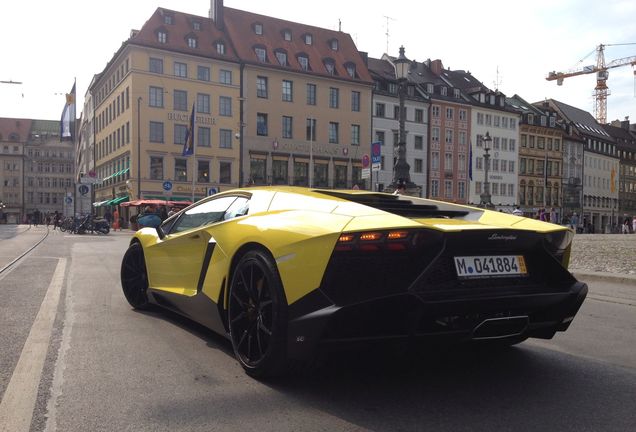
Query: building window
[[333, 44], [380, 110], [351, 70], [196, 25], [287, 35], [435, 111], [220, 48], [308, 39], [155, 97], [162, 37], [419, 142], [288, 91], [301, 173], [355, 134], [448, 189], [180, 132], [281, 56], [258, 28], [258, 169], [355, 101], [261, 87], [435, 188], [418, 166], [203, 73], [333, 133], [192, 42], [261, 124], [279, 171], [225, 172], [203, 171], [449, 113], [225, 138], [311, 94], [261, 54], [156, 168], [304, 62], [156, 65], [225, 106], [419, 115], [180, 69], [168, 19], [311, 129], [449, 136], [203, 137], [340, 177], [225, 76], [203, 103], [334, 94], [330, 67], [287, 127], [181, 170], [180, 100], [156, 132]]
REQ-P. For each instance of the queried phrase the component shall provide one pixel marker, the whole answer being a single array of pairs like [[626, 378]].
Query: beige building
[[143, 101], [14, 134]]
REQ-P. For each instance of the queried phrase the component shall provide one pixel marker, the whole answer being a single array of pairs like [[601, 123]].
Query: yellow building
[[143, 102]]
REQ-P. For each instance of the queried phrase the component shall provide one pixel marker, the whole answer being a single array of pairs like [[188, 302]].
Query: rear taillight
[[374, 241]]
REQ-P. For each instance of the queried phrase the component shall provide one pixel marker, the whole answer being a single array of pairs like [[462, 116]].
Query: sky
[[508, 45]]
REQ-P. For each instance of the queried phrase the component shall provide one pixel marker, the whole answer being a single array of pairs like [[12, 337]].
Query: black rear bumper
[[412, 316]]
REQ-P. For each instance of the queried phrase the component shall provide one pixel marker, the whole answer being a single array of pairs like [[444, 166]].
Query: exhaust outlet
[[498, 328]]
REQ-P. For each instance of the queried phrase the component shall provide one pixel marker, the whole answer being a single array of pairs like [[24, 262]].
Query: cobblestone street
[[610, 253]]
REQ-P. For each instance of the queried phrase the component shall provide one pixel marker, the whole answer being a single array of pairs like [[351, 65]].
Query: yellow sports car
[[284, 272]]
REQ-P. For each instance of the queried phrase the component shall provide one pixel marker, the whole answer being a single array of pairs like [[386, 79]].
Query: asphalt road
[[106, 367]]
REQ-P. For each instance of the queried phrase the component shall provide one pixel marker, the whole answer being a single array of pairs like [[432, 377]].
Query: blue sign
[[376, 152], [68, 200], [167, 185], [212, 191]]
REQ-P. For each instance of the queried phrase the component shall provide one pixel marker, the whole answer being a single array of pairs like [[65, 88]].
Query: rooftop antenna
[[387, 31], [497, 81], [339, 25]]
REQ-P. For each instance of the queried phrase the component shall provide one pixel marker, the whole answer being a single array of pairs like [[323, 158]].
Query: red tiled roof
[[179, 30], [239, 25], [15, 125]]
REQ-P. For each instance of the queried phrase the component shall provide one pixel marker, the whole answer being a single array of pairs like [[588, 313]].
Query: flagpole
[[194, 166]]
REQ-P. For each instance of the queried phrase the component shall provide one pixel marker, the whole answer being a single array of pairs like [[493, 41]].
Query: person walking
[[116, 221], [626, 224], [634, 225]]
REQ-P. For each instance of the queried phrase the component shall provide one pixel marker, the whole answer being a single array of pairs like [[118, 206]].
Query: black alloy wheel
[[134, 278], [257, 315]]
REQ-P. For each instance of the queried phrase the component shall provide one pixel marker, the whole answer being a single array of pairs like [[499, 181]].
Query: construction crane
[[601, 91]]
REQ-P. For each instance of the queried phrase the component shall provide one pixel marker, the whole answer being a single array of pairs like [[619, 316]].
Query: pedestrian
[[574, 222], [56, 220], [634, 225], [116, 221], [626, 224], [401, 188], [163, 213], [108, 216], [553, 216], [542, 214]]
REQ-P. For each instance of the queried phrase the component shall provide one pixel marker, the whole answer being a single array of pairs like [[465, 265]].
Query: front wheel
[[257, 315], [134, 277]]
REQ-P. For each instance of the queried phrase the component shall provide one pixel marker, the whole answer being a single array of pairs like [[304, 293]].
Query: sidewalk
[[610, 257]]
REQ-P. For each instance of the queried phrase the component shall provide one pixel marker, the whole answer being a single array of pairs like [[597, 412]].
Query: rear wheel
[[134, 278], [257, 315]]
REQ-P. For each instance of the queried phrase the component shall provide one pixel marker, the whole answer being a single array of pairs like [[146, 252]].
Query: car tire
[[257, 315], [134, 277]]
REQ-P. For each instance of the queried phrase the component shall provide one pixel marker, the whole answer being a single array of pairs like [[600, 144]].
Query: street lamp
[[485, 197], [139, 147], [401, 175]]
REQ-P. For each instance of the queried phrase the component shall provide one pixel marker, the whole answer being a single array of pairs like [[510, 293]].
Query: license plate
[[490, 266]]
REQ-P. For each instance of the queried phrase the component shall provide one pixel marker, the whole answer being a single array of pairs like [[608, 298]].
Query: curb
[[605, 277]]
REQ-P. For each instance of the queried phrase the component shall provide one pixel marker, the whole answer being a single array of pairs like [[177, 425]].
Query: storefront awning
[[115, 174], [118, 200], [100, 203]]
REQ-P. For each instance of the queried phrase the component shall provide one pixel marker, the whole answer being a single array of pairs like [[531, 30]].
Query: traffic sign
[[365, 161], [212, 191], [376, 166], [366, 173], [167, 185]]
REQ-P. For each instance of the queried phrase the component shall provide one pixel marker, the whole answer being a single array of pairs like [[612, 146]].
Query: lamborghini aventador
[[285, 272]]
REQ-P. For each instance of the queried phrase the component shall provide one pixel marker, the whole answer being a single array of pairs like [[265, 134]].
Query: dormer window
[[333, 44], [430, 88], [303, 61], [220, 47], [530, 119], [443, 91], [351, 69], [456, 93], [168, 19], [330, 66], [162, 37], [196, 25], [192, 42], [308, 38], [258, 28], [392, 87], [281, 56], [552, 121], [287, 35], [544, 121], [261, 54]]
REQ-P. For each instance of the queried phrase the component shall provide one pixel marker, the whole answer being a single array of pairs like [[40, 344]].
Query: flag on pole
[[67, 122], [188, 146], [470, 161]]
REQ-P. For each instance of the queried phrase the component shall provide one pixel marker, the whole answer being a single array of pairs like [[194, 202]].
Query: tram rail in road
[[5, 268]]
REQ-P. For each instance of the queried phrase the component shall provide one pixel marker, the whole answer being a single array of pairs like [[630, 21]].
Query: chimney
[[133, 33], [625, 123], [437, 67], [216, 13], [365, 57]]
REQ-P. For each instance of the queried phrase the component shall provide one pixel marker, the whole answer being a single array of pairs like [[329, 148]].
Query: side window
[[238, 208], [204, 214]]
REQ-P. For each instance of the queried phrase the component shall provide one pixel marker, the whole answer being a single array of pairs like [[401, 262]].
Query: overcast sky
[[506, 44]]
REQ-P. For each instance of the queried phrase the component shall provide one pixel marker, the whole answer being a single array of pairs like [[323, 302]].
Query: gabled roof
[[624, 139], [240, 28], [19, 126], [582, 120], [521, 105], [179, 30], [380, 68]]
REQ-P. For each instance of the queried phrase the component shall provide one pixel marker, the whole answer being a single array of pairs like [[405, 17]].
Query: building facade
[[14, 134], [626, 146]]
